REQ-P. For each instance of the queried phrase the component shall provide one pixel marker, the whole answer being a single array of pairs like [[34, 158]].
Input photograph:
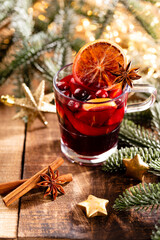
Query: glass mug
[[89, 130]]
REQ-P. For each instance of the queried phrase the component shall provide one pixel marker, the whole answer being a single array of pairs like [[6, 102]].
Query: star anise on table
[[52, 183], [125, 75]]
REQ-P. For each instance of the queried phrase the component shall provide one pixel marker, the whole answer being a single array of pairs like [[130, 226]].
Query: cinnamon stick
[[30, 183], [65, 178], [9, 186]]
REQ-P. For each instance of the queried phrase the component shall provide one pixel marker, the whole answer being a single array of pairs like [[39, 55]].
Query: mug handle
[[141, 106]]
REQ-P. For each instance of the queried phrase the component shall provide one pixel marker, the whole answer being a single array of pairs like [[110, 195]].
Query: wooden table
[[33, 217]]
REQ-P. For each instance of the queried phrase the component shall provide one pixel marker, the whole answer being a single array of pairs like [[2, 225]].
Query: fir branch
[[136, 8], [149, 155], [7, 7], [155, 111], [152, 1], [137, 135], [83, 9], [140, 117], [96, 14], [77, 43], [28, 54], [156, 232], [47, 73], [83, 13], [22, 19], [69, 23], [48, 68], [140, 197], [155, 166], [62, 56], [50, 14], [65, 24]]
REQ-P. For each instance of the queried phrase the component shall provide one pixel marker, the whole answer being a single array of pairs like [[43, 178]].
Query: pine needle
[[28, 54], [136, 7], [22, 19], [137, 135], [155, 111], [6, 8], [139, 197], [149, 155], [156, 232], [143, 117]]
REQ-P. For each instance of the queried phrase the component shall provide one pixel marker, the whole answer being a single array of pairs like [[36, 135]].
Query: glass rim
[[80, 101]]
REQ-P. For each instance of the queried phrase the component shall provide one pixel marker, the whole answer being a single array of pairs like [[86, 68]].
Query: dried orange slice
[[84, 128], [99, 104], [94, 63], [96, 112]]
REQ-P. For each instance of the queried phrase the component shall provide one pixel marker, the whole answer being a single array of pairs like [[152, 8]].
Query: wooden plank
[[11, 149], [62, 219]]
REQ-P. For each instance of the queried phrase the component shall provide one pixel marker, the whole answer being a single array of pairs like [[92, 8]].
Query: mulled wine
[[89, 120], [91, 96]]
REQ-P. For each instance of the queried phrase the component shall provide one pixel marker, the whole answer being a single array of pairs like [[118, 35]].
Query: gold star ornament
[[135, 167], [94, 206], [33, 105]]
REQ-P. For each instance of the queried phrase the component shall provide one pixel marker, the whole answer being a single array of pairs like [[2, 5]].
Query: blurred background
[[37, 38]]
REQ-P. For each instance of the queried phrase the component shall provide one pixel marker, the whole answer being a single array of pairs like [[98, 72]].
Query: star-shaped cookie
[[135, 167], [94, 206]]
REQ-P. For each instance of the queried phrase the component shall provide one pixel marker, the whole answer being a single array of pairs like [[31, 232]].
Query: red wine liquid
[[87, 130]]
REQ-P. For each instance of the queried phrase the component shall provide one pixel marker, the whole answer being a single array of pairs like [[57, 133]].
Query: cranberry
[[73, 85], [67, 93], [67, 78], [62, 85], [73, 105], [101, 93], [120, 103], [80, 94]]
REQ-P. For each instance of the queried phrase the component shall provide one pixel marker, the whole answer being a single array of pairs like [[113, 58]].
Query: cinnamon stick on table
[[9, 186], [30, 183]]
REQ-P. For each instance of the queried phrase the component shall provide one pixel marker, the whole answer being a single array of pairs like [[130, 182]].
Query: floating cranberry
[[73, 105], [73, 85], [80, 94], [67, 93], [62, 85], [67, 78], [101, 93]]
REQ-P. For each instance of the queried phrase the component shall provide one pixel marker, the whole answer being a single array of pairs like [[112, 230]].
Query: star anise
[[125, 75], [52, 183]]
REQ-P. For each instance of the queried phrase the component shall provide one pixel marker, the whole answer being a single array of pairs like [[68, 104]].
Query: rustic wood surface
[[37, 218], [11, 149]]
